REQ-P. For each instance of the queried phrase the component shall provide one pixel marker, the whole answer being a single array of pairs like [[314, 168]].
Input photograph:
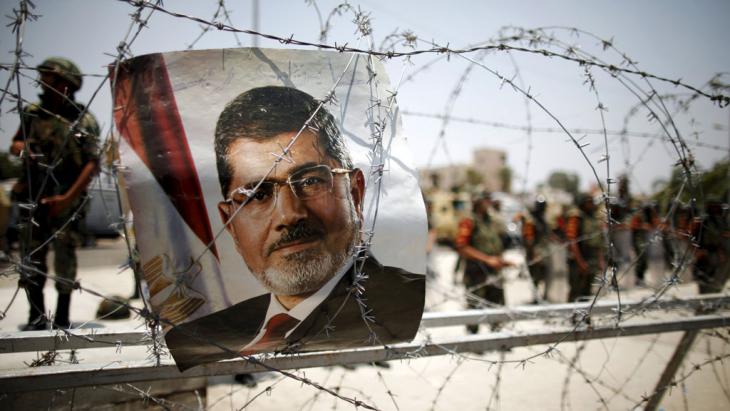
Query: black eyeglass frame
[[292, 179]]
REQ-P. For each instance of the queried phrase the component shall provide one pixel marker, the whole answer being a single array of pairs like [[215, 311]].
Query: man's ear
[[225, 210], [357, 189]]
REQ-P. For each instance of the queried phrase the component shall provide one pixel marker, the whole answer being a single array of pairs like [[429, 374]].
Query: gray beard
[[307, 271], [303, 272]]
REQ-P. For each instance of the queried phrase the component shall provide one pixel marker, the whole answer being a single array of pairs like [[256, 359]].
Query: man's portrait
[[295, 218], [292, 202]]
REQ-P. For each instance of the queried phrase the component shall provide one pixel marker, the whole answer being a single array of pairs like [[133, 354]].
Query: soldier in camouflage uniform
[[641, 228], [58, 142], [680, 236], [479, 242], [647, 227], [585, 247], [621, 208], [712, 264], [536, 236]]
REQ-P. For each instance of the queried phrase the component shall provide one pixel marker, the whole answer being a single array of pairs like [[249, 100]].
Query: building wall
[[489, 163], [486, 161]]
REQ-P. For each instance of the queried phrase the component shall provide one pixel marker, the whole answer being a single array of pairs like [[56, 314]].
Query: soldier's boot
[[62, 309], [37, 312]]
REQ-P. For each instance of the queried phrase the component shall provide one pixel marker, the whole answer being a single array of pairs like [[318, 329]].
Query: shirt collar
[[304, 308]]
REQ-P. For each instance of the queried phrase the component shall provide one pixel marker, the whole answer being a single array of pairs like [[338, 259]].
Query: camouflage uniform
[[647, 227], [680, 236], [536, 235], [640, 231], [586, 230], [61, 136], [712, 267], [484, 234]]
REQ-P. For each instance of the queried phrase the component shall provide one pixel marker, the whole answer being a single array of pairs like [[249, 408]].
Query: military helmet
[[540, 204], [64, 68], [583, 198], [478, 195]]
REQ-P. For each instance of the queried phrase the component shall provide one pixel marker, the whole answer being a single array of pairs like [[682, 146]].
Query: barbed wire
[[553, 130], [205, 29], [721, 99], [381, 110]]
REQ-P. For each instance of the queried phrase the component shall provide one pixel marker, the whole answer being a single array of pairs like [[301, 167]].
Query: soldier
[[58, 142], [680, 236], [479, 243], [647, 226], [536, 236], [712, 265], [585, 257], [641, 227], [621, 215]]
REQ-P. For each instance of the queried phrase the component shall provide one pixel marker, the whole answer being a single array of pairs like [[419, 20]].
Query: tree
[[505, 179], [473, 178], [563, 180], [659, 184], [712, 183]]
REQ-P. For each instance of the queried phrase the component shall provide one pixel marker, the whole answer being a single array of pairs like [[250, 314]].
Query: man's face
[[299, 244], [54, 84], [481, 206], [588, 206]]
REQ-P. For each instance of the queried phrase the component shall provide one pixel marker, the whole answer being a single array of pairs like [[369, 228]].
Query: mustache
[[298, 232]]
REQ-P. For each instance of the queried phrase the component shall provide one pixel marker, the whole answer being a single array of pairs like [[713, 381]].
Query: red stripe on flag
[[147, 118]]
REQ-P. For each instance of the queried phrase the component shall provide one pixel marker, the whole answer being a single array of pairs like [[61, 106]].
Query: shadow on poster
[[265, 218]]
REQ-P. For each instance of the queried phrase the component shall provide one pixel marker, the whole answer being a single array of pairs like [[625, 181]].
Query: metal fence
[[546, 329]]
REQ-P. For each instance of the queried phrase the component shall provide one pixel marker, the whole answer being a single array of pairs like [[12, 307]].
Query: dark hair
[[264, 112]]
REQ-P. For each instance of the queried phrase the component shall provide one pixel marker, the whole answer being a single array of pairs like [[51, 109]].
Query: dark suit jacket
[[393, 303]]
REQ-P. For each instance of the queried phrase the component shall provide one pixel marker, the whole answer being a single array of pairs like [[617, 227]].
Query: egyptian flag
[[177, 245]]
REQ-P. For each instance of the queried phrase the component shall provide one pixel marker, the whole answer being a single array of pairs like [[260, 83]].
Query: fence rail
[[604, 75], [78, 375], [15, 342]]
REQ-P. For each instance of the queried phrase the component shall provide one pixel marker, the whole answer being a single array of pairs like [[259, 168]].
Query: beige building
[[487, 169]]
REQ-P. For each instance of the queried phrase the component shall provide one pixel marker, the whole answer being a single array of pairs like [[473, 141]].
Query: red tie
[[276, 329]]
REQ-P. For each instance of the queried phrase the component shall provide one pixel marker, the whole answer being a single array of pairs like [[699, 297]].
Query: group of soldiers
[[580, 229], [698, 238]]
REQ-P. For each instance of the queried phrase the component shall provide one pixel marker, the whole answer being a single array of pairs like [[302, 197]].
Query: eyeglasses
[[306, 184]]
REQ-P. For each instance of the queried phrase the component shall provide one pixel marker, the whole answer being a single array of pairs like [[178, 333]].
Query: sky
[[671, 39]]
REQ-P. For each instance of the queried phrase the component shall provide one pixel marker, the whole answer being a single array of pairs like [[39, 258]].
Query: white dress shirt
[[304, 308]]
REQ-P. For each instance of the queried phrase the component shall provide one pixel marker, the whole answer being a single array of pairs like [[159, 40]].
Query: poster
[[266, 217]]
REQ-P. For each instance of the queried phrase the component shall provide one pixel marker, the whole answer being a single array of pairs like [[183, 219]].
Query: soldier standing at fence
[[641, 228], [680, 237], [58, 143], [621, 215], [647, 228], [536, 233], [479, 243], [712, 265], [585, 257]]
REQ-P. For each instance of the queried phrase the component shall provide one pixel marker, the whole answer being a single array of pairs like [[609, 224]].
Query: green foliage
[[505, 179], [473, 177], [562, 180], [711, 184]]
